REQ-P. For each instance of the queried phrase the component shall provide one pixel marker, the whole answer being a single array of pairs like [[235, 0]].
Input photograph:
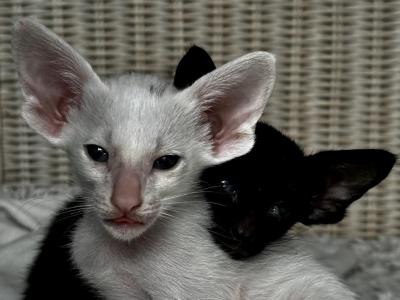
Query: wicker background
[[338, 74]]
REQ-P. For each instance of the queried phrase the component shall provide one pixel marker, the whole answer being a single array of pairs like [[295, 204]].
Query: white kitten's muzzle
[[127, 191]]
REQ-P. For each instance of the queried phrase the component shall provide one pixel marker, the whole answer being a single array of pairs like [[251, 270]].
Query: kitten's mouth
[[127, 227], [124, 221]]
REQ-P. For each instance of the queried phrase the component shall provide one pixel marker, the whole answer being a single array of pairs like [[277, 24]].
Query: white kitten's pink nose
[[126, 195]]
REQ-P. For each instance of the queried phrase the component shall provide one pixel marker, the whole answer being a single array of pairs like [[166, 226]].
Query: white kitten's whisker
[[148, 211], [232, 238], [208, 187], [76, 208], [165, 214], [193, 201], [172, 218], [183, 195], [62, 218], [74, 211], [179, 196]]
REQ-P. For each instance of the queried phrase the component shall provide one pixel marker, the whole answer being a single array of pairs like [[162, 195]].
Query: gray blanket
[[370, 267]]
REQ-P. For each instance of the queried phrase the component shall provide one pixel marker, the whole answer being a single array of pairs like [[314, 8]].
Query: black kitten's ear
[[337, 178], [193, 65]]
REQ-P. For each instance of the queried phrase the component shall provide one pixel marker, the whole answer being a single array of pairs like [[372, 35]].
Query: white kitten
[[137, 147]]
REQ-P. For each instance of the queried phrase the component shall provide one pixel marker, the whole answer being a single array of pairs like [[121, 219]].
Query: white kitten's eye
[[97, 153], [166, 162]]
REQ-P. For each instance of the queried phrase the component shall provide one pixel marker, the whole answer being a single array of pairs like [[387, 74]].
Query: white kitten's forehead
[[144, 117]]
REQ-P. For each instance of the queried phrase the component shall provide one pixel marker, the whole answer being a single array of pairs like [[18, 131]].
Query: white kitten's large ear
[[232, 99], [52, 76]]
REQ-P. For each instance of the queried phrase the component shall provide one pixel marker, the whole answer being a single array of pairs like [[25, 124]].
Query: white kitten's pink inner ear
[[53, 77], [127, 191], [53, 113], [225, 129]]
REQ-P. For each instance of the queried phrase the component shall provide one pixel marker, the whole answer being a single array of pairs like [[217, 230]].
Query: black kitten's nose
[[244, 229]]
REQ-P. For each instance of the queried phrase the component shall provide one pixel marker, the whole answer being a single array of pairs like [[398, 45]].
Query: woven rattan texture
[[338, 74]]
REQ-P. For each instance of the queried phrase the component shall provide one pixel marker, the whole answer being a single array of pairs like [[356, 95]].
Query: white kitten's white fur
[[139, 118]]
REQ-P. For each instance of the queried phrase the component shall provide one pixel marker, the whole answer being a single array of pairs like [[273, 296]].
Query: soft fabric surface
[[24, 214], [370, 267]]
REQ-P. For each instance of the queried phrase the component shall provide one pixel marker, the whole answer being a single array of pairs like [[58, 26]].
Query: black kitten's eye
[[166, 162], [97, 153], [230, 189], [275, 212], [234, 196]]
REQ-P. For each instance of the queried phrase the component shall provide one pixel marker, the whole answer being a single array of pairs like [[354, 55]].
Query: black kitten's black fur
[[53, 275]]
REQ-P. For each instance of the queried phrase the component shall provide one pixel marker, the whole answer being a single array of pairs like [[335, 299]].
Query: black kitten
[[257, 198]]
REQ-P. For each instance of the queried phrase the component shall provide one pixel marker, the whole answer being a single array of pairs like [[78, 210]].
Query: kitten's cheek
[[168, 179], [96, 179]]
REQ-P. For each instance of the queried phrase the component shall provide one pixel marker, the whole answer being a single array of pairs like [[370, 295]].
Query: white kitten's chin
[[125, 232]]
